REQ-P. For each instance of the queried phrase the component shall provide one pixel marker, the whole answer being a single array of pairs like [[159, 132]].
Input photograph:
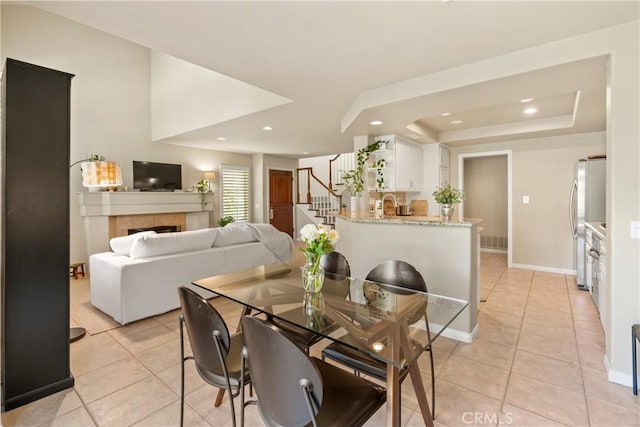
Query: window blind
[[235, 192]]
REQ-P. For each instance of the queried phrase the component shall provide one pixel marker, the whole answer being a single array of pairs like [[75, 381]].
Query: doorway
[[281, 200], [486, 179]]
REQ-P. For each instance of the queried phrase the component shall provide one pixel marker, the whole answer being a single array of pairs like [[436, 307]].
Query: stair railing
[[340, 164], [312, 191]]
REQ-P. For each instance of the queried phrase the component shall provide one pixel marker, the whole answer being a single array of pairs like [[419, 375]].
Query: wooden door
[[281, 200]]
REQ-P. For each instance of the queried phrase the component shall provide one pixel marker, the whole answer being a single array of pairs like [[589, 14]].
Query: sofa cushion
[[122, 245], [234, 234], [172, 243]]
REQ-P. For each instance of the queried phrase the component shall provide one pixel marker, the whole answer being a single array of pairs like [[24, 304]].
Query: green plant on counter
[[226, 220], [448, 195]]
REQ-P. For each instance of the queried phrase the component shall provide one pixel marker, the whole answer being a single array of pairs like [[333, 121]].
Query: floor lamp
[[97, 175]]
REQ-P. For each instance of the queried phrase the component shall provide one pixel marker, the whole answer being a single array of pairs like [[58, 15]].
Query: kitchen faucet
[[395, 202]]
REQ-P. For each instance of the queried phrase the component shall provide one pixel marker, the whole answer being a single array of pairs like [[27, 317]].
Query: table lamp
[[210, 177]]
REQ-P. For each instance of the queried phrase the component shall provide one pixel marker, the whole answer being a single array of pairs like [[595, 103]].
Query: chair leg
[[634, 338], [433, 385], [181, 371]]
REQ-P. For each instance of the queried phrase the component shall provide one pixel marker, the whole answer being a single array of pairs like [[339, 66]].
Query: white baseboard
[[543, 268], [454, 334], [493, 251], [617, 376]]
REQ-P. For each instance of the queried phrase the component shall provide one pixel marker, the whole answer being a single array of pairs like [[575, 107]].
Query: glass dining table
[[386, 322]]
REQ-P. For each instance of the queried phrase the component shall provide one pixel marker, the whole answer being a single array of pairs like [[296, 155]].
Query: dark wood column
[[35, 232]]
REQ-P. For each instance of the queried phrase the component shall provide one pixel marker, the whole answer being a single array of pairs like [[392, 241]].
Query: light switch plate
[[525, 200], [635, 229]]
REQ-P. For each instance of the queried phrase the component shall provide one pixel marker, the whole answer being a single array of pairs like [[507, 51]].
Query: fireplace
[[156, 228], [112, 214]]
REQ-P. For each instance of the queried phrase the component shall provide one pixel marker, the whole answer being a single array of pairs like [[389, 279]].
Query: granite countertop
[[597, 229], [368, 217]]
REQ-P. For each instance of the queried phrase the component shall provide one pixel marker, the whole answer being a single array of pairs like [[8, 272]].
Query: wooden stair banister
[[312, 191]]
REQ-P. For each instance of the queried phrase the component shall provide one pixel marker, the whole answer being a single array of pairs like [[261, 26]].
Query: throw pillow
[[173, 243], [234, 234], [122, 245]]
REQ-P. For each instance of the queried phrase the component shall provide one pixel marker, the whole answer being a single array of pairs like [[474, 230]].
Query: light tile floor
[[537, 362]]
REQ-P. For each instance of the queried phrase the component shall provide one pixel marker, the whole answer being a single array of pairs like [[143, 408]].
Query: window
[[235, 192]]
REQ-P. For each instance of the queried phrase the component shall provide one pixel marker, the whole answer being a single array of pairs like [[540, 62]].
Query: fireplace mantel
[[137, 203], [97, 207]]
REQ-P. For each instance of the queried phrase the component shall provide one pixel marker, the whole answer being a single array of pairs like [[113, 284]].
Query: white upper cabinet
[[435, 173], [403, 165]]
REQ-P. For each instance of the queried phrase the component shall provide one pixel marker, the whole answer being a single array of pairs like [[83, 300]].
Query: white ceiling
[[323, 55]]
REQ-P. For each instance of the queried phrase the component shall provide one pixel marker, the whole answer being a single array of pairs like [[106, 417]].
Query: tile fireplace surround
[[110, 214]]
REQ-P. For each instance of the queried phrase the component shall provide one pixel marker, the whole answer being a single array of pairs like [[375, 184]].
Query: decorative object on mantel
[[210, 177], [447, 197], [99, 174], [319, 240], [202, 187]]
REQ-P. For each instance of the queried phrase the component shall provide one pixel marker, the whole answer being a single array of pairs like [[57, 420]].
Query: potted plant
[[202, 187], [228, 219], [447, 196]]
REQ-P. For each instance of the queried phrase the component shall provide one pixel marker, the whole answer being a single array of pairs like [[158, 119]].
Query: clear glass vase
[[312, 275]]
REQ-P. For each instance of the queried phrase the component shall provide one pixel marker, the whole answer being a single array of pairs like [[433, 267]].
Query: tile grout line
[[584, 388], [515, 350]]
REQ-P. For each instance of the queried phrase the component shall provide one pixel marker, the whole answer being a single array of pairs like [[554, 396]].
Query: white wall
[[621, 45], [485, 187], [186, 97], [110, 100], [543, 169], [320, 166]]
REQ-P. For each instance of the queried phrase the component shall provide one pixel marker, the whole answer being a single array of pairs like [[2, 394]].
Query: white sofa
[[141, 276]]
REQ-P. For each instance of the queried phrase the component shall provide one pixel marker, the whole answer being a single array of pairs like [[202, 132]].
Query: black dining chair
[[294, 389], [336, 267], [402, 275], [216, 353]]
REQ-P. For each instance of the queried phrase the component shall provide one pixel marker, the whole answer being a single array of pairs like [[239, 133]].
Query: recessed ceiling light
[[526, 100], [530, 110], [445, 114], [305, 152], [267, 128], [375, 123], [221, 138], [456, 122]]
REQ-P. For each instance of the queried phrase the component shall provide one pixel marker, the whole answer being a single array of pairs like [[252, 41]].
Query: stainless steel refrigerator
[[587, 204]]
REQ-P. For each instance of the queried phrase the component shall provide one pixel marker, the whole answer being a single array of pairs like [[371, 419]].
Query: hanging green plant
[[354, 179]]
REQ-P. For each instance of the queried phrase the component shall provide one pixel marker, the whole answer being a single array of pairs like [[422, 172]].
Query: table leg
[[393, 396], [219, 398], [245, 312], [418, 387]]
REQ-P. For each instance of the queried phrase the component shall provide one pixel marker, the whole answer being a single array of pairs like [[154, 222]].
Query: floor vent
[[493, 242]]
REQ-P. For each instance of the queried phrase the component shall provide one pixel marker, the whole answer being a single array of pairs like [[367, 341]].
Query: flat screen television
[[149, 176]]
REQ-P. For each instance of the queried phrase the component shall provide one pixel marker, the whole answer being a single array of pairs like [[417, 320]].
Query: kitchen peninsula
[[446, 253]]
